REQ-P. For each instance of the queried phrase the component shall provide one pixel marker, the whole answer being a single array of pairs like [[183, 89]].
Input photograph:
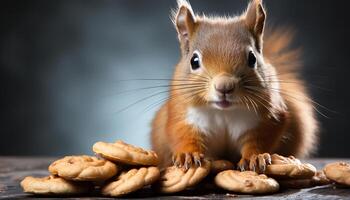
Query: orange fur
[[286, 121]]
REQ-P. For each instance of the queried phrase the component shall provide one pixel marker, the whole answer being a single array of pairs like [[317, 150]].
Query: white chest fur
[[211, 121]]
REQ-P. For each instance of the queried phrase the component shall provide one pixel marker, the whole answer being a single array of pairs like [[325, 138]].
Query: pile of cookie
[[286, 172], [283, 172], [119, 168]]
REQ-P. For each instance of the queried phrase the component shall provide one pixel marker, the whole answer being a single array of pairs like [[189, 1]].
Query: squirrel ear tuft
[[255, 17], [184, 20]]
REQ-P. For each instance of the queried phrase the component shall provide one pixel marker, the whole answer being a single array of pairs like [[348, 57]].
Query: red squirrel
[[235, 94]]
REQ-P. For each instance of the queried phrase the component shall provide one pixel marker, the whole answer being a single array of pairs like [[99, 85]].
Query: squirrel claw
[[187, 160], [198, 163], [256, 162], [242, 165]]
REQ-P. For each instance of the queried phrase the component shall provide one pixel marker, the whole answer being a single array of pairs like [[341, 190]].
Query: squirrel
[[235, 94]]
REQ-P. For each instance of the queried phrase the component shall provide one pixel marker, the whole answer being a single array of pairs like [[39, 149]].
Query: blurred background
[[64, 67]]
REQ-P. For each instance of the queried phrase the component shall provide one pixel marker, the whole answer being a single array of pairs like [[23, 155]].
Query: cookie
[[174, 179], [289, 167], [338, 172], [317, 180], [125, 153], [83, 168], [247, 182], [220, 165], [52, 185], [130, 181]]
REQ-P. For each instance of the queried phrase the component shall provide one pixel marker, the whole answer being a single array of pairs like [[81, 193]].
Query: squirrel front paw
[[256, 162], [187, 159]]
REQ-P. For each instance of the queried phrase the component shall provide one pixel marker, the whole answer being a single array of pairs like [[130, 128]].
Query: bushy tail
[[302, 138], [278, 51]]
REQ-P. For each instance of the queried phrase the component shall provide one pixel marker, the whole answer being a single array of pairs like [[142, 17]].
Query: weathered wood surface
[[14, 169]]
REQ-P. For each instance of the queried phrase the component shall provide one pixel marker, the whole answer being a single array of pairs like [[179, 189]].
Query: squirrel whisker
[[306, 99], [158, 93]]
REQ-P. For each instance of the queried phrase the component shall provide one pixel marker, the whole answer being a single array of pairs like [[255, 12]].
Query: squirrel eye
[[195, 62], [251, 60]]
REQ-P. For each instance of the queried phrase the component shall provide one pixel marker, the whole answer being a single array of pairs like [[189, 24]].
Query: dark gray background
[[61, 63]]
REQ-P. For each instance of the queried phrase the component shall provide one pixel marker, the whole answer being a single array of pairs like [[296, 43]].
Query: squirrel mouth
[[223, 103]]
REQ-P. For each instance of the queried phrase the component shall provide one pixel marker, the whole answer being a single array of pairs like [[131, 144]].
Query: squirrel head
[[222, 59]]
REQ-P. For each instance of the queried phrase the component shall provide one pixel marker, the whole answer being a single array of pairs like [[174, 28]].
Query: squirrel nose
[[224, 85]]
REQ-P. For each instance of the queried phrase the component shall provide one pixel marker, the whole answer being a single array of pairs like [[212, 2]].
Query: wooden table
[[14, 169]]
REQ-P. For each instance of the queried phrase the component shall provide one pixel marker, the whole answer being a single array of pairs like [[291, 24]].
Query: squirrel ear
[[255, 17], [184, 20]]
